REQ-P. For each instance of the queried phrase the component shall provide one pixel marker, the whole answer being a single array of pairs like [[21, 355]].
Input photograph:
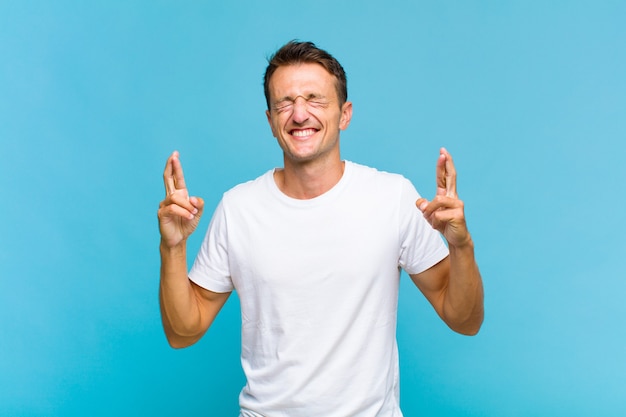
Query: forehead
[[302, 79]]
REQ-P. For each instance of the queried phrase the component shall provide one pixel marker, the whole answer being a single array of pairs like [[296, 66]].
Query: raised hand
[[179, 214], [445, 212]]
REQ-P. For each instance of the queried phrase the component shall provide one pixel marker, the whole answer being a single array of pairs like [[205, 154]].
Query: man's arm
[[187, 310], [453, 286]]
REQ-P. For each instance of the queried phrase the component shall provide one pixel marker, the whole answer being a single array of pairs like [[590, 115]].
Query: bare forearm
[[179, 306], [463, 305]]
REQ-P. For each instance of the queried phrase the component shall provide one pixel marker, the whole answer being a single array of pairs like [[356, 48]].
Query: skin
[[453, 286], [187, 310], [306, 119]]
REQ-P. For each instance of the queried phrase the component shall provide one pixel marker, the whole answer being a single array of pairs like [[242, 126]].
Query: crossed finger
[[173, 176], [446, 174]]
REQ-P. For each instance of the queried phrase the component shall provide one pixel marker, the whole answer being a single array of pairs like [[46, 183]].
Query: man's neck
[[304, 181]]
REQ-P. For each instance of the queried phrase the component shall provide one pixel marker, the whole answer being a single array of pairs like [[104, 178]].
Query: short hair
[[296, 52]]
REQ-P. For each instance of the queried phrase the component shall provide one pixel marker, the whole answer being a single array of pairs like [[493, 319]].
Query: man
[[314, 250]]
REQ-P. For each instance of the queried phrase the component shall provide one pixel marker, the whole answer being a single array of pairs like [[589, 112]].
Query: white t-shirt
[[318, 284]]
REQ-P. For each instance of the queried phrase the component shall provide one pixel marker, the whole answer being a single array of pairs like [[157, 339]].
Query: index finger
[[446, 174], [173, 176]]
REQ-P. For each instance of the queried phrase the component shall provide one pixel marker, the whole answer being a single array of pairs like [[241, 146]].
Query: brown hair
[[295, 52]]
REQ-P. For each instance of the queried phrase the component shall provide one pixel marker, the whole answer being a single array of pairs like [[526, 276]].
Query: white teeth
[[303, 133]]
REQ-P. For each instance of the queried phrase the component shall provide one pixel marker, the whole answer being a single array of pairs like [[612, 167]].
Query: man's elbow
[[468, 331], [180, 342], [468, 326], [180, 337]]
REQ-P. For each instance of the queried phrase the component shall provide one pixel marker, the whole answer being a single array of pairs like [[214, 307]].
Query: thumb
[[198, 203], [421, 204]]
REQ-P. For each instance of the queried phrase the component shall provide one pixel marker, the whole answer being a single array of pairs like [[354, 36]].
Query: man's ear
[[269, 120], [346, 115]]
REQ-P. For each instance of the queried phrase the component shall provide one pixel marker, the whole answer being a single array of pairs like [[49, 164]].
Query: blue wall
[[529, 96]]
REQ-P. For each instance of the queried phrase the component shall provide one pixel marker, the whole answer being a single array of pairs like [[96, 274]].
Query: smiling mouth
[[302, 133]]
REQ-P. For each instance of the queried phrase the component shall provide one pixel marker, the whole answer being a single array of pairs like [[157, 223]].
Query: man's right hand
[[179, 214]]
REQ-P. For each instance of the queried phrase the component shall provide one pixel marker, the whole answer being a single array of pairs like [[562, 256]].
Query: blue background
[[528, 96]]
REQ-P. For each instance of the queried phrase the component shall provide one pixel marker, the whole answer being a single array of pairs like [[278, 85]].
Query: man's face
[[304, 113]]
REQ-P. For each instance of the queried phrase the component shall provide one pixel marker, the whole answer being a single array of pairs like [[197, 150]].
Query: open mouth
[[303, 133]]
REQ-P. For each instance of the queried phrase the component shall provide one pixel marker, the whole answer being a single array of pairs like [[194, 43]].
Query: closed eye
[[317, 102], [283, 106], [312, 101]]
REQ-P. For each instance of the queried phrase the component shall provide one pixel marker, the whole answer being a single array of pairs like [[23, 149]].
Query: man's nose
[[300, 110]]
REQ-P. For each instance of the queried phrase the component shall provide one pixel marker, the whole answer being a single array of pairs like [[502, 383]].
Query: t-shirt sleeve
[[421, 246], [211, 268]]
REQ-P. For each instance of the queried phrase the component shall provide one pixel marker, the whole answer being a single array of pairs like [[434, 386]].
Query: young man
[[314, 250]]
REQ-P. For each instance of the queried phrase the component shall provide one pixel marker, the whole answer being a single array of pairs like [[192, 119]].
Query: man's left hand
[[445, 212]]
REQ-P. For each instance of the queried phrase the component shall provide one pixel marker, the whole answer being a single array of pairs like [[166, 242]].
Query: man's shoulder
[[249, 188], [369, 174]]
